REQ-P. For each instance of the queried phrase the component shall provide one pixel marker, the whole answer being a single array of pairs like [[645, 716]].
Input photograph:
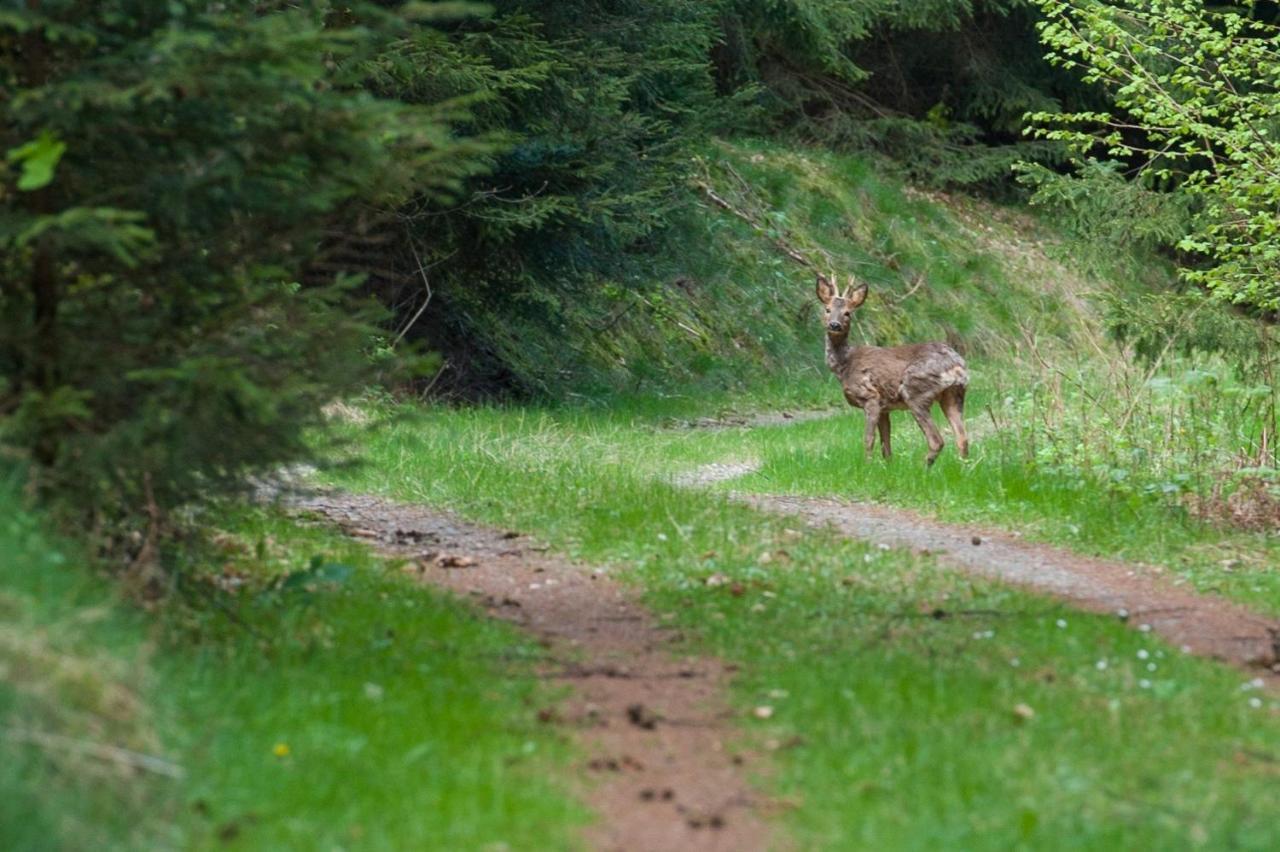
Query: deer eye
[[846, 314]]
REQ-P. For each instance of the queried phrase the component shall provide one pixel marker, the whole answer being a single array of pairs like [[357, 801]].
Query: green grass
[[996, 486], [409, 720], [73, 667], [364, 711], [892, 729]]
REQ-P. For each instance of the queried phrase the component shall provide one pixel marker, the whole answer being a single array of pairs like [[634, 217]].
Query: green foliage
[[1195, 105], [170, 171], [595, 105], [38, 158], [939, 87], [1102, 208]]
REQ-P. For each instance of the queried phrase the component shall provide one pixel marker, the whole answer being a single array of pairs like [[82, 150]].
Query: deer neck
[[838, 352]]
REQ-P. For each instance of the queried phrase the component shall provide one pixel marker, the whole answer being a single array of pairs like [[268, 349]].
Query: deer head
[[838, 308]]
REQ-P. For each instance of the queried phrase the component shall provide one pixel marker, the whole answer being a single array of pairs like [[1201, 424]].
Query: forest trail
[[785, 417], [653, 727], [1200, 624]]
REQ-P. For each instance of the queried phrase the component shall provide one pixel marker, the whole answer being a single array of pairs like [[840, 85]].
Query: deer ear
[[856, 296], [826, 290]]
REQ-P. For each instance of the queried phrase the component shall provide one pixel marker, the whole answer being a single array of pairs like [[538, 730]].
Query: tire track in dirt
[[1200, 624], [654, 727], [762, 418]]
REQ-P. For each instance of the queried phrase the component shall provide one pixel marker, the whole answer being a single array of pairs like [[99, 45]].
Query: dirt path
[[1202, 624], [653, 727], [764, 418]]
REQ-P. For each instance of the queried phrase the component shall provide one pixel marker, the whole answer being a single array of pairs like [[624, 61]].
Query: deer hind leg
[[952, 401], [883, 425], [869, 436], [920, 410]]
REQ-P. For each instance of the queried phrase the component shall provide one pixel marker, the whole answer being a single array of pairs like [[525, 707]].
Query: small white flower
[[1144, 683], [1143, 653], [1122, 612], [1255, 702], [1101, 665], [1015, 662], [1145, 628], [1062, 623], [662, 536], [1151, 667]]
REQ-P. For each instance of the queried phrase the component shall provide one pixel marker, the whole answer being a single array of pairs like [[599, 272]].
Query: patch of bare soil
[[709, 474], [653, 727], [1200, 624]]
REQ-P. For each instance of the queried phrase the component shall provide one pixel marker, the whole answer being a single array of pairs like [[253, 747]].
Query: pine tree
[[170, 169]]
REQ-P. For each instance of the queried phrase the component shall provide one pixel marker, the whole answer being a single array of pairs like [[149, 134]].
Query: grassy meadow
[[876, 703]]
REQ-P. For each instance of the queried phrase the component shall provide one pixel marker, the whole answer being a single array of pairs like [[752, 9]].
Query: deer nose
[[834, 326]]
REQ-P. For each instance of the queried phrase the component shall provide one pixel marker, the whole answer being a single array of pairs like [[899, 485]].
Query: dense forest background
[[218, 217]]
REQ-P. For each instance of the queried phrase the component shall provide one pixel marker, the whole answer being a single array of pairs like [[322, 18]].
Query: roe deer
[[879, 380]]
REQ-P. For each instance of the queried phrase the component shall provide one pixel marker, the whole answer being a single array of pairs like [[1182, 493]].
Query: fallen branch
[[919, 282], [781, 244]]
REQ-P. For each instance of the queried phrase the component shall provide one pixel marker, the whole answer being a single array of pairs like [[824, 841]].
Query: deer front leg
[[883, 425], [931, 433], [872, 410]]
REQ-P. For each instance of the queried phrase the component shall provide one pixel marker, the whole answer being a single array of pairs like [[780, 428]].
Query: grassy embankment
[[346, 707]]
